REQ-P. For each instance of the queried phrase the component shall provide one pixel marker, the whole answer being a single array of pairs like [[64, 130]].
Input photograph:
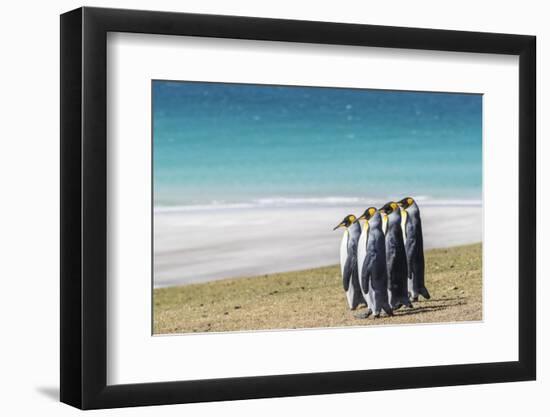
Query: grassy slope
[[315, 298]]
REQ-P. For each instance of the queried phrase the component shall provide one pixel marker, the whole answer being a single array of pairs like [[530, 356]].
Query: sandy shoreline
[[200, 246]]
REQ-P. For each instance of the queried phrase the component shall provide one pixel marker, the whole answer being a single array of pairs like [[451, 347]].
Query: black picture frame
[[84, 207]]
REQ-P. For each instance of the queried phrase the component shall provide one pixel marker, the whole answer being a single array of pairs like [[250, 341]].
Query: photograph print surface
[[292, 207]]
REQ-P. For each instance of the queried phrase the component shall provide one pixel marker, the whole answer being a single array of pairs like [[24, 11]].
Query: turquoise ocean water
[[217, 144]]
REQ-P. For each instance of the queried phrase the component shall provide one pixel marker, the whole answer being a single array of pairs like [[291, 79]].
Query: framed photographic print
[[257, 207]]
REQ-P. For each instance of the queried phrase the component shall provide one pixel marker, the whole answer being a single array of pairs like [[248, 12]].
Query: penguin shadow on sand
[[420, 309]]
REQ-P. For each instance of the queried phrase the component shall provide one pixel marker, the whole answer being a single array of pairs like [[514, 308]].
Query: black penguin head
[[389, 208], [406, 202], [367, 215], [347, 222]]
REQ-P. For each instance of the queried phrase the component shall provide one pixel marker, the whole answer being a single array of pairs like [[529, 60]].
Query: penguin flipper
[[348, 270], [365, 274], [424, 293], [387, 309]]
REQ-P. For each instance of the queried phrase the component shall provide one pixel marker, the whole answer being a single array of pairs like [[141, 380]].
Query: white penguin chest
[[344, 250], [362, 250], [404, 217]]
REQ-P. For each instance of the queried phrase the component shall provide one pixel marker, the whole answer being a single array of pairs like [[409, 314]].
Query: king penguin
[[396, 258], [348, 261], [371, 264], [414, 248]]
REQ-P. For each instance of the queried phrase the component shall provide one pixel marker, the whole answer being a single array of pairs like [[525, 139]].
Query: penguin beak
[[362, 217], [337, 227]]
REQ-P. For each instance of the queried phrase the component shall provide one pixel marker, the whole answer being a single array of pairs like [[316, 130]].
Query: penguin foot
[[398, 306], [415, 298], [377, 315], [364, 314], [424, 293], [410, 305]]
